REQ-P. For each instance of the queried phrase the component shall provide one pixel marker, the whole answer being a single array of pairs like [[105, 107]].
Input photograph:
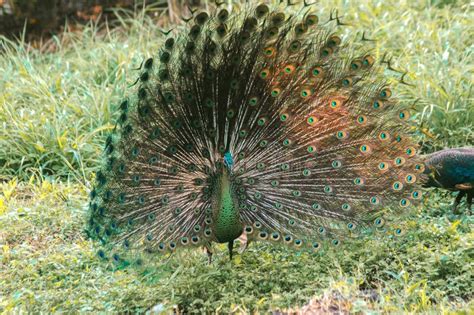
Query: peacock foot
[[459, 197]]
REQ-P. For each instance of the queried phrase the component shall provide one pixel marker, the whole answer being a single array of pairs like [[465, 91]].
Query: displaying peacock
[[260, 121], [452, 169]]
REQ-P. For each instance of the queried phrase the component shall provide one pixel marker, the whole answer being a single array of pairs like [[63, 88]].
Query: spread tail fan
[[255, 121]]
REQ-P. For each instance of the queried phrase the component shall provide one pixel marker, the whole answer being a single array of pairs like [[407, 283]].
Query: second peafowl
[[258, 121], [452, 169]]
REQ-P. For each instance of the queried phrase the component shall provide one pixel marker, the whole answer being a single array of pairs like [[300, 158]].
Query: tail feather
[[319, 143]]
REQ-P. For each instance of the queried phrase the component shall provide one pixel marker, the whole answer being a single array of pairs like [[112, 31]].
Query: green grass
[[48, 265], [56, 107]]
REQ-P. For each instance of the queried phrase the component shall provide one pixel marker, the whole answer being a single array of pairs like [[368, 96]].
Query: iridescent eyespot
[[300, 29], [272, 32], [195, 239], [410, 151], [278, 18], [336, 164], [201, 18], [397, 186], [305, 93], [327, 189], [384, 136], [410, 179], [269, 51], [404, 202], [325, 52], [262, 10], [341, 135], [316, 206], [184, 241], [284, 117], [404, 115], [365, 148], [368, 60], [294, 46], [416, 194], [385, 93], [275, 236], [311, 20], [289, 69], [311, 149], [334, 104], [317, 71], [377, 104], [356, 65], [361, 120], [262, 121], [223, 15], [311, 120], [419, 168], [347, 82], [265, 73], [374, 200], [287, 142], [399, 161], [346, 207], [275, 92], [253, 101], [383, 166], [334, 41], [379, 222], [359, 181]]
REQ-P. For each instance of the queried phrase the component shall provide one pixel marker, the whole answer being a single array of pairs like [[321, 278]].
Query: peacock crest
[[254, 121]]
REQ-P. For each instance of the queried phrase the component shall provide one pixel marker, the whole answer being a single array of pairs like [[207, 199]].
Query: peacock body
[[258, 122], [452, 169]]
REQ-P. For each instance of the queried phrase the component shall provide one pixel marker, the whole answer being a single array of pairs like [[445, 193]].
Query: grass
[[56, 107], [48, 265]]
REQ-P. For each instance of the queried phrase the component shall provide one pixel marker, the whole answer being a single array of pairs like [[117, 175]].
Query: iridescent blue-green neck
[[227, 224]]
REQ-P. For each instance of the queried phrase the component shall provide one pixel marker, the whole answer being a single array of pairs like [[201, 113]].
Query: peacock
[[257, 120], [452, 169]]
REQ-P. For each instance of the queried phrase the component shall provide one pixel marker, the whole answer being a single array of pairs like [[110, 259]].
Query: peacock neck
[[225, 209]]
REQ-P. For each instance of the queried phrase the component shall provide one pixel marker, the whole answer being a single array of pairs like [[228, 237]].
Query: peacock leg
[[231, 247], [470, 196], [244, 243], [209, 253], [457, 201], [244, 247]]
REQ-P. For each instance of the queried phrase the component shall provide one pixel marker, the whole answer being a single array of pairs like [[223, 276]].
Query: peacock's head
[[228, 161]]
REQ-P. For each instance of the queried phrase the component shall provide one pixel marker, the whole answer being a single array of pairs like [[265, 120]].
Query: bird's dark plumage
[[452, 169]]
